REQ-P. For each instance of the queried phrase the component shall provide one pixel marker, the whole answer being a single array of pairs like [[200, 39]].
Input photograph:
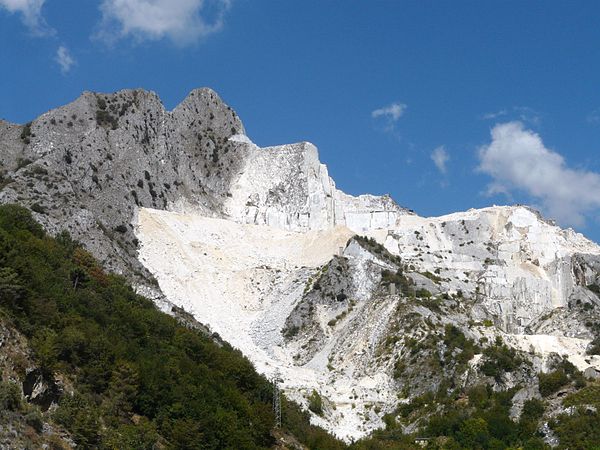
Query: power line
[[277, 400]]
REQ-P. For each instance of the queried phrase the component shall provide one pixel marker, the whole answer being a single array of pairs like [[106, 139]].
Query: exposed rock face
[[41, 389], [517, 265], [258, 244], [287, 187], [89, 165]]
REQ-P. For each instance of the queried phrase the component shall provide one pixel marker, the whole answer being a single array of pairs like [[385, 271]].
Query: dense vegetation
[[140, 378], [475, 419], [479, 417]]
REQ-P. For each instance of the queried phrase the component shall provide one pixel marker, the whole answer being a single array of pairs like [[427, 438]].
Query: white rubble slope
[[242, 274]]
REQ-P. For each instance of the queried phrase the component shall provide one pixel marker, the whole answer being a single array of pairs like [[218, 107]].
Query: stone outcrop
[[88, 166]]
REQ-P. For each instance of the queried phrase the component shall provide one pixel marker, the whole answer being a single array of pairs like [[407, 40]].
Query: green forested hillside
[[141, 380]]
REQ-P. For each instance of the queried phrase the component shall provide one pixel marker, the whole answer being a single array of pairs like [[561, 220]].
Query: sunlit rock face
[[287, 187], [516, 264]]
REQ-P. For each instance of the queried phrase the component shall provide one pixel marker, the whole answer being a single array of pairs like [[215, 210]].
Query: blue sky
[[444, 105]]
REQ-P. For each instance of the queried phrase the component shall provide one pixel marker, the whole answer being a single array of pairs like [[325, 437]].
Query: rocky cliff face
[[287, 187], [88, 166], [260, 245]]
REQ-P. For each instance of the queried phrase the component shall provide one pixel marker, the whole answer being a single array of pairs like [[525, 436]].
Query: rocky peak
[[205, 106], [89, 165]]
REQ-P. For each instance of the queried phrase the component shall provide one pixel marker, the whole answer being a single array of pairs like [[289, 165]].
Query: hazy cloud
[[183, 21], [521, 113], [391, 112], [31, 14], [517, 159], [593, 117], [527, 114], [440, 157], [64, 59], [494, 115]]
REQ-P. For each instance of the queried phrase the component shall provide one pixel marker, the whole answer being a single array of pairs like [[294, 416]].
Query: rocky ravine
[[258, 244]]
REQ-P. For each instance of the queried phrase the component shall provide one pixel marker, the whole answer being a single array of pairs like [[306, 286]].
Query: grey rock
[[86, 167]]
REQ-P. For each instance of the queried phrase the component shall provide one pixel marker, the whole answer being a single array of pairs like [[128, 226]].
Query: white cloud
[[64, 59], [392, 112], [31, 13], [517, 159], [440, 157], [183, 21]]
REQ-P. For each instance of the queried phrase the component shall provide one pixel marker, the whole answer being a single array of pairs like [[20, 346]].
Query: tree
[[474, 433], [11, 290], [315, 403]]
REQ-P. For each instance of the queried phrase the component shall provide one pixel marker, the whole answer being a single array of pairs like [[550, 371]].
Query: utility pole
[[277, 400]]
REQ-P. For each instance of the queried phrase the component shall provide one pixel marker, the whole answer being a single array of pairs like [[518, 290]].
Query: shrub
[[104, 119], [34, 419], [532, 409], [10, 396], [291, 331], [121, 229], [405, 284], [500, 359], [399, 368], [474, 433], [26, 133], [422, 293], [433, 277], [15, 218], [38, 170], [552, 382], [315, 403], [36, 207], [589, 395], [373, 246], [22, 162], [455, 339]]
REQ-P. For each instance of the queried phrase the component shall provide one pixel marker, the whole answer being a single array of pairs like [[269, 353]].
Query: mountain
[[360, 306]]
